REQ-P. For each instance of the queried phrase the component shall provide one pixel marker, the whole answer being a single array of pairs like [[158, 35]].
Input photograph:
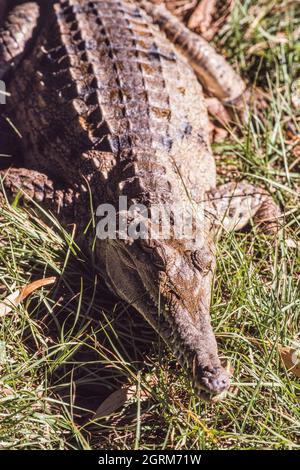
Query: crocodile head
[[171, 287]]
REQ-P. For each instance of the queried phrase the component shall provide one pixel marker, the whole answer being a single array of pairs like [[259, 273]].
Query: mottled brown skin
[[105, 104]]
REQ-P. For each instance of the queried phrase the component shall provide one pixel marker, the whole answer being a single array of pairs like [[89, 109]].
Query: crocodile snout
[[219, 383], [213, 381]]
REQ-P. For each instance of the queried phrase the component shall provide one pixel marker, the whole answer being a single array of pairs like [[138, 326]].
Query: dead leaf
[[13, 299], [208, 17], [118, 398], [113, 402], [6, 392], [220, 121], [220, 135], [33, 286], [179, 8], [7, 305], [291, 359], [218, 111], [202, 15]]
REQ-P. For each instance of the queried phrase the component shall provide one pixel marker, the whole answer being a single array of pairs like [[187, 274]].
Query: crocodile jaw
[[194, 345]]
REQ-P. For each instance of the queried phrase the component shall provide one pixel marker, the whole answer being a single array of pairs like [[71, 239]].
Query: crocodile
[[107, 99]]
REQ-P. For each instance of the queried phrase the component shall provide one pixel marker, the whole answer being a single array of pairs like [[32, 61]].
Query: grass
[[68, 347]]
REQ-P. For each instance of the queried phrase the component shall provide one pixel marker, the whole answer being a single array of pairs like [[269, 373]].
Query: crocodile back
[[106, 97]]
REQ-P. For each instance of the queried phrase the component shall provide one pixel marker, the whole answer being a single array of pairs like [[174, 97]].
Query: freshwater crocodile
[[106, 98]]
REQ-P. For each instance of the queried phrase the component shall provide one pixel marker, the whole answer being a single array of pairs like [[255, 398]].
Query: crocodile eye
[[146, 246], [202, 260], [158, 257], [157, 261]]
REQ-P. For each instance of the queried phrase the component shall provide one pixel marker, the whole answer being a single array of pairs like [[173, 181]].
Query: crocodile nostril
[[213, 380], [220, 383]]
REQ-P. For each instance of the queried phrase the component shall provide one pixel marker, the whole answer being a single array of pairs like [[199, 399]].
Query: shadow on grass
[[101, 343]]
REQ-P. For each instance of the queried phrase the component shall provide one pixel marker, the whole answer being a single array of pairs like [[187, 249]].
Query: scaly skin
[[216, 75], [104, 101]]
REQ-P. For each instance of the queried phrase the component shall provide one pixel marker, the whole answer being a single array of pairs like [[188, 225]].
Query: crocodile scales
[[108, 106]]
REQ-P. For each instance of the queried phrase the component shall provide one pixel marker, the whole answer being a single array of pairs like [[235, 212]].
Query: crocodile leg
[[215, 73], [16, 33], [32, 185], [233, 205]]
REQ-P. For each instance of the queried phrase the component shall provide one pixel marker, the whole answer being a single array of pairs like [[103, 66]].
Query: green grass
[[67, 347]]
